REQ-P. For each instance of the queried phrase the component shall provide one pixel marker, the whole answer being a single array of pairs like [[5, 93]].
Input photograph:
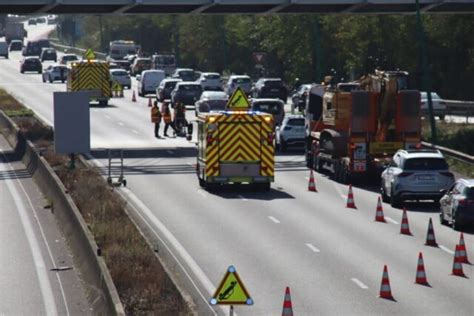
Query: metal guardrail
[[460, 108], [74, 50], [451, 153]]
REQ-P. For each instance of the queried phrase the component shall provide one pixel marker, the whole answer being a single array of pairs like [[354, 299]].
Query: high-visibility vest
[[155, 115], [166, 114]]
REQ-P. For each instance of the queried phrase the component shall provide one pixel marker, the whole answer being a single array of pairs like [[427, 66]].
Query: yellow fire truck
[[92, 76], [235, 146]]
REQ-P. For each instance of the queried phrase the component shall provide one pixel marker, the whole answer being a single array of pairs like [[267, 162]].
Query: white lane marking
[[312, 247], [170, 152], [41, 271], [342, 195], [391, 220], [120, 123], [273, 219], [107, 117], [306, 178], [446, 249], [134, 131], [360, 284], [242, 197]]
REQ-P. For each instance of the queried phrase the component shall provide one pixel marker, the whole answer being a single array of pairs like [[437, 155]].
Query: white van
[[4, 49], [148, 81]]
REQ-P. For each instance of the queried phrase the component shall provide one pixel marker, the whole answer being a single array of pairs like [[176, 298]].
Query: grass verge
[[458, 137], [142, 283]]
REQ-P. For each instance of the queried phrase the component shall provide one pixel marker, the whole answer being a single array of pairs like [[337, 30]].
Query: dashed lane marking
[[312, 247], [391, 220], [273, 219], [360, 284], [134, 131], [120, 123], [107, 117], [446, 249]]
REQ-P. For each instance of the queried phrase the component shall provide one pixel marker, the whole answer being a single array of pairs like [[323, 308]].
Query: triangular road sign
[[238, 100], [89, 54], [231, 290]]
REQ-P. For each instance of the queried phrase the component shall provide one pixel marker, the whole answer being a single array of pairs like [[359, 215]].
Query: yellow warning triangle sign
[[89, 54], [231, 290], [238, 100]]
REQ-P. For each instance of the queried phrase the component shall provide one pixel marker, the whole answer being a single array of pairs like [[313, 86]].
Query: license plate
[[425, 178]]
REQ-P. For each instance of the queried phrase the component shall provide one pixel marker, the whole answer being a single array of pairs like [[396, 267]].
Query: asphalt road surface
[[331, 257], [37, 275]]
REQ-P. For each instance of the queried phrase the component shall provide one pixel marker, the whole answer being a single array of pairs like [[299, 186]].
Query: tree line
[[301, 46]]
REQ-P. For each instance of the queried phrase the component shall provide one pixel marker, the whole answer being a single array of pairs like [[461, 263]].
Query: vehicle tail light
[[447, 174], [209, 139], [270, 138], [305, 94], [405, 174], [465, 201]]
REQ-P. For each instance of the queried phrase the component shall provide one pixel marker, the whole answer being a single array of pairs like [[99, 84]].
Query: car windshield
[[154, 75], [213, 76], [425, 164], [434, 96], [165, 60], [190, 87], [296, 122], [186, 73], [270, 107], [273, 83], [120, 73], [469, 193], [242, 80], [144, 62], [69, 57], [214, 95], [170, 84]]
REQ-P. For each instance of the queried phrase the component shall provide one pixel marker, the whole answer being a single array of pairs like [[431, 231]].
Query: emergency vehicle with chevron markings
[[235, 146], [92, 76]]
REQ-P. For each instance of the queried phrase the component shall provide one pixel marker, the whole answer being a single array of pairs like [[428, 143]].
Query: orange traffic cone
[[430, 235], [385, 291], [405, 228], [149, 103], [312, 183], [350, 199], [134, 98], [457, 265], [287, 307], [463, 250], [379, 212], [420, 272]]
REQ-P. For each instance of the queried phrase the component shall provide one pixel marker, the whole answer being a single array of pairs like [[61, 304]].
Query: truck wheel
[[202, 183], [263, 186], [395, 200], [103, 103]]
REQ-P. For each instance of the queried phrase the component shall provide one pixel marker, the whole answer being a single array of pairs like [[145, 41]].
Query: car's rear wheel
[[50, 80], [442, 220], [454, 224], [44, 80], [383, 193]]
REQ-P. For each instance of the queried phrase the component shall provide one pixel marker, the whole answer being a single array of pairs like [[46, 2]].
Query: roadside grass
[[142, 283], [458, 137]]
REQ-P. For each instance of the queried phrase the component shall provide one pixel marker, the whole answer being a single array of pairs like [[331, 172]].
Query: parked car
[[211, 101], [439, 105], [32, 22], [66, 58], [271, 106], [123, 64], [235, 81], [163, 92], [291, 132], [54, 73], [210, 81], [186, 92], [415, 175], [457, 205], [15, 45], [40, 20], [148, 81], [298, 99], [270, 88], [31, 63], [185, 74], [4, 49], [122, 77], [48, 53], [139, 65]]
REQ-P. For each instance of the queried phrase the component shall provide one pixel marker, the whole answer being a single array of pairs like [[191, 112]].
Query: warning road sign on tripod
[[238, 100], [231, 290]]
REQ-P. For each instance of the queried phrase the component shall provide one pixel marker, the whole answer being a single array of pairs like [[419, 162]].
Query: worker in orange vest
[[166, 114], [156, 117]]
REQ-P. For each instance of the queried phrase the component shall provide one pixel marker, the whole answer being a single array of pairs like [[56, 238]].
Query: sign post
[[231, 291]]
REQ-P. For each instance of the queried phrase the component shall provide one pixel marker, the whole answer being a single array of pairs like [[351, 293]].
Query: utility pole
[[224, 43], [102, 46], [176, 39], [426, 79]]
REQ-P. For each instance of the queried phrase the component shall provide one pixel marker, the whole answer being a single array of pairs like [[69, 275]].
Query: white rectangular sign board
[[71, 123]]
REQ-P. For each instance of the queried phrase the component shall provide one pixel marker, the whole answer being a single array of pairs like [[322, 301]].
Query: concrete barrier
[[99, 287]]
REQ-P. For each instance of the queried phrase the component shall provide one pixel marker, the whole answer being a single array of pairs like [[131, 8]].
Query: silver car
[[243, 82], [54, 73], [439, 105], [122, 77], [415, 175]]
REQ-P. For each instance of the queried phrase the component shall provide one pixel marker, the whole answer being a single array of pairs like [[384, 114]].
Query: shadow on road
[[249, 192], [177, 152]]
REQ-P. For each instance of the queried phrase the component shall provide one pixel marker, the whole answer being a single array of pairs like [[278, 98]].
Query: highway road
[[331, 257], [37, 275]]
